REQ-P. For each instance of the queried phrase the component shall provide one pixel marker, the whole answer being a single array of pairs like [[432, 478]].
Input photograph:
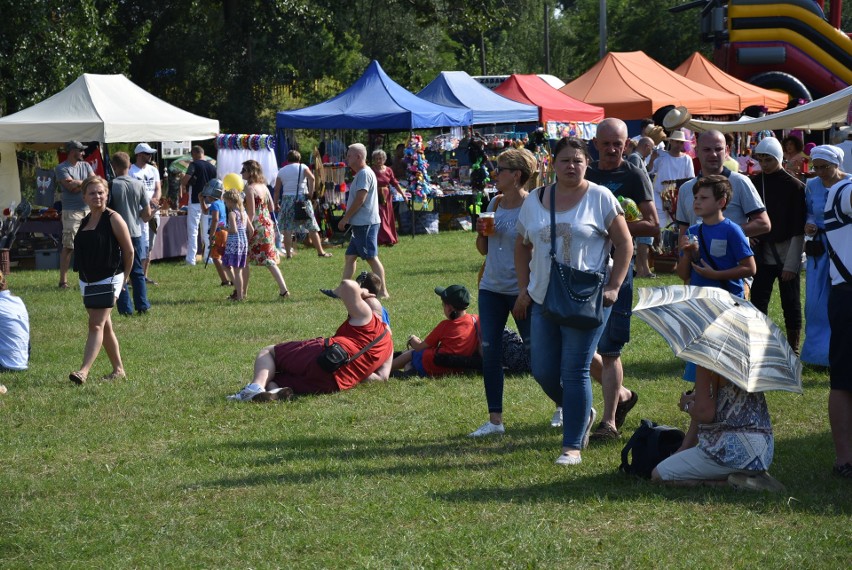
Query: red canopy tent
[[552, 105], [631, 85], [699, 68]]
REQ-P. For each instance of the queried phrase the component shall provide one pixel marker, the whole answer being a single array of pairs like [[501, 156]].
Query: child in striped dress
[[236, 248]]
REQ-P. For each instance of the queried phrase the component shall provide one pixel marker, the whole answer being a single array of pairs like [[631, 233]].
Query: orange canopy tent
[[552, 105], [700, 69], [631, 86]]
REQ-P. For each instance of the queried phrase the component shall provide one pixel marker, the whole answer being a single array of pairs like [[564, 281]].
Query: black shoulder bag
[[574, 298], [334, 356], [300, 206]]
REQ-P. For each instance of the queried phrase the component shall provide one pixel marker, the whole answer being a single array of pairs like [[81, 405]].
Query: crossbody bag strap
[[298, 184], [553, 221], [725, 284], [370, 345]]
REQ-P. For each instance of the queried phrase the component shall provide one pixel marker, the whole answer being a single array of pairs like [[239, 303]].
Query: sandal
[[326, 254], [114, 376], [78, 377], [227, 284], [150, 281], [604, 432], [285, 294], [623, 408], [63, 285]]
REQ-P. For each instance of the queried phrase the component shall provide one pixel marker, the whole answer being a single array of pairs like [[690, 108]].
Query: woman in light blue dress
[[817, 283]]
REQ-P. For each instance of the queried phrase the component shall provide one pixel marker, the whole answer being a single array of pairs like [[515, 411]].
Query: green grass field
[[160, 471]]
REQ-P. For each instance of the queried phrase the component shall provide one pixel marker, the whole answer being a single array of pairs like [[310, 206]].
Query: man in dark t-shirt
[[199, 173], [623, 179]]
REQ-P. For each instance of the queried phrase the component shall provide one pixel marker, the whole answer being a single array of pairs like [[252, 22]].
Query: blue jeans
[[561, 357], [137, 281], [494, 310]]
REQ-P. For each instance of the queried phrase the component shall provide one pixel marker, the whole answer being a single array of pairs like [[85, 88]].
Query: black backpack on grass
[[650, 444]]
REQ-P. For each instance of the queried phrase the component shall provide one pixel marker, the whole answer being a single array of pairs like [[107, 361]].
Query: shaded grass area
[[160, 470]]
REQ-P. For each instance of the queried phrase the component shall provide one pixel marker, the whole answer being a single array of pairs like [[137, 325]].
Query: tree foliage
[[240, 61]]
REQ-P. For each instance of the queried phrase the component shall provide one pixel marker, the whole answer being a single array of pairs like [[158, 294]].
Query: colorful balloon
[[233, 181]]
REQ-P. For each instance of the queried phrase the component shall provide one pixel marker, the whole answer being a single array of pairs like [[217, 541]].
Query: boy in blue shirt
[[716, 252], [212, 204]]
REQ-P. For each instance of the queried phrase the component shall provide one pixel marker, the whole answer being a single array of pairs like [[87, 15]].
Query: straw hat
[[677, 135], [655, 133], [676, 118]]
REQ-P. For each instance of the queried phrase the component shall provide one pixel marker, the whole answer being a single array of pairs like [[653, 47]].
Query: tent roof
[[553, 105], [374, 102], [105, 108], [458, 89], [631, 85], [819, 114], [700, 69]]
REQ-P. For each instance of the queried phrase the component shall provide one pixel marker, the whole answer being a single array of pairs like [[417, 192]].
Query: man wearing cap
[[457, 335], [746, 208], [779, 253], [127, 197], [200, 171], [70, 175], [149, 175], [623, 179]]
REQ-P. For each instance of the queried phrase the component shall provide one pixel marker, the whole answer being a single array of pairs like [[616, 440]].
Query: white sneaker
[[592, 415], [488, 429], [566, 459], [246, 394], [556, 420]]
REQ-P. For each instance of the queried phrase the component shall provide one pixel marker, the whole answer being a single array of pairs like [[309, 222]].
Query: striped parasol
[[723, 333]]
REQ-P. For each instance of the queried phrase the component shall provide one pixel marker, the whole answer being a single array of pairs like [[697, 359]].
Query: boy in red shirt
[[457, 335]]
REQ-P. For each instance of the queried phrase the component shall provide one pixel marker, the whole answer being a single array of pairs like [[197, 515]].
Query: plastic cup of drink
[[488, 223]]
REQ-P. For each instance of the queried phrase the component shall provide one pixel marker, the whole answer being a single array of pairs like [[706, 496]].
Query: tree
[[46, 44]]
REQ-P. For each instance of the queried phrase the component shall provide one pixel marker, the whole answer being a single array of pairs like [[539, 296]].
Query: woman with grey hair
[[388, 187]]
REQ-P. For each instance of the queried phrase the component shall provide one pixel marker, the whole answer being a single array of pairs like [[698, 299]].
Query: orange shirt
[[353, 339]]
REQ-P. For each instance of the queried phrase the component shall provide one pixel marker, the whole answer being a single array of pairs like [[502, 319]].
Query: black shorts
[[840, 346]]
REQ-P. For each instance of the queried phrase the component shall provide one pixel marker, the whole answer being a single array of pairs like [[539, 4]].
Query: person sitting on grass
[[284, 370], [14, 330], [458, 336], [730, 438]]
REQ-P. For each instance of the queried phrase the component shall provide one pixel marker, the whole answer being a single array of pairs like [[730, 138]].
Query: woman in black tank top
[[103, 255]]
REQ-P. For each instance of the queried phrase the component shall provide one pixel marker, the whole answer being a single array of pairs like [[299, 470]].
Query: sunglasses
[[500, 169]]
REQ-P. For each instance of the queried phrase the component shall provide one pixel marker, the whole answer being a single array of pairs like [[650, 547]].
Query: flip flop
[[329, 293], [326, 254], [63, 285], [115, 376]]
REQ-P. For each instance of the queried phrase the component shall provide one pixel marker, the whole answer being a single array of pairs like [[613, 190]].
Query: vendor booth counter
[[35, 252]]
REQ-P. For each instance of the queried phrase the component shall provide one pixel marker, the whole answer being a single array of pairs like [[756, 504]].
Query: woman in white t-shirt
[[589, 224], [292, 185]]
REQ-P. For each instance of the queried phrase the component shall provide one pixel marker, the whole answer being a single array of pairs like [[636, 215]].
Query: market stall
[[632, 86], [101, 108], [460, 90], [698, 68]]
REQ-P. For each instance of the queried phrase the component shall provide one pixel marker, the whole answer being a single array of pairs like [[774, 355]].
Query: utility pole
[[546, 38], [602, 30]]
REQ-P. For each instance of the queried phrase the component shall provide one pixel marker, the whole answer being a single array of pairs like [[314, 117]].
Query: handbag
[[334, 356], [101, 296], [814, 247], [574, 298], [300, 211]]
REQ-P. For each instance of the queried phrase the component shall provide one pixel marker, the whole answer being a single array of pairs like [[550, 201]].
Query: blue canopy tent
[[374, 102], [458, 89]]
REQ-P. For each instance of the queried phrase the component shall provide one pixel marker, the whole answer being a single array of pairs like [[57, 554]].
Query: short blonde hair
[[519, 159]]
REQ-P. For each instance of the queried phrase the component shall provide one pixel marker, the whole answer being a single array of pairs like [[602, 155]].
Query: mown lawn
[[160, 471]]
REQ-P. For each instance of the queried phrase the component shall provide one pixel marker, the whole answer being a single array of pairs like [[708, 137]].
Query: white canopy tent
[[817, 115], [104, 108]]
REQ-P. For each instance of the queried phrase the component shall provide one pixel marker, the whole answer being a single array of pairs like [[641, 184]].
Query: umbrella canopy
[[723, 333], [458, 89], [700, 69], [632, 85], [553, 105], [181, 163]]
